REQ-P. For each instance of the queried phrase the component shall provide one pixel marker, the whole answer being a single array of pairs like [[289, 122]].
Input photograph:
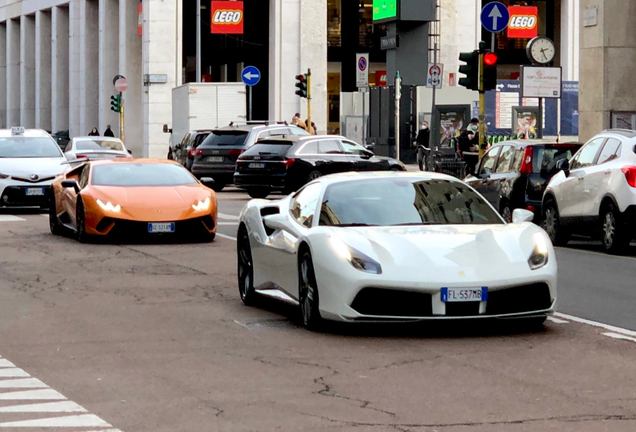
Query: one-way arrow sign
[[251, 76], [495, 17]]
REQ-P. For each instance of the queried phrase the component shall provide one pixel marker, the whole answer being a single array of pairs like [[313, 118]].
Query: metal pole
[[493, 41], [398, 96], [198, 65], [364, 116], [430, 158], [121, 116], [309, 100], [249, 103], [482, 102]]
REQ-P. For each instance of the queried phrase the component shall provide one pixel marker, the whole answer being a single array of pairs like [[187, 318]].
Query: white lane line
[[620, 336], [22, 383], [6, 363], [225, 236], [84, 420], [557, 320], [11, 218], [227, 223], [13, 373], [46, 394], [228, 216], [597, 324], [48, 407]]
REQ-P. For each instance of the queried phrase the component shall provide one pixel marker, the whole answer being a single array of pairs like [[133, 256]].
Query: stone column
[[3, 75], [108, 62], [89, 66], [130, 67], [59, 69], [43, 70], [74, 69], [27, 71], [13, 72], [313, 54]]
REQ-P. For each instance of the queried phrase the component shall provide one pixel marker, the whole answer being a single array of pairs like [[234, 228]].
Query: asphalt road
[[153, 337]]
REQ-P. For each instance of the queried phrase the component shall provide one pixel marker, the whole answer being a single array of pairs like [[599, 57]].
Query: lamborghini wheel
[[54, 223], [80, 218], [308, 293]]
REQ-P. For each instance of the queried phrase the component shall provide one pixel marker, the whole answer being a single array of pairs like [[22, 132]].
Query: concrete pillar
[[3, 75], [89, 66], [108, 61], [130, 67], [43, 70], [570, 29], [159, 57], [13, 72], [59, 69], [74, 69], [27, 71]]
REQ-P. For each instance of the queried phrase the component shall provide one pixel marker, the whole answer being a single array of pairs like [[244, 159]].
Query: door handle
[[608, 172], [580, 178]]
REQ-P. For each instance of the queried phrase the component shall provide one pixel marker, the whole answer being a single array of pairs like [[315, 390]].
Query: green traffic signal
[[470, 69], [115, 103], [301, 85]]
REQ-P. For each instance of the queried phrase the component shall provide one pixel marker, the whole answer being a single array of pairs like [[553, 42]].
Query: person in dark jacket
[[422, 143], [94, 132], [108, 132], [468, 143]]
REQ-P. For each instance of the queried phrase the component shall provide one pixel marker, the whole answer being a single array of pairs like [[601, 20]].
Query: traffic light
[[470, 69], [301, 85], [490, 71], [115, 103]]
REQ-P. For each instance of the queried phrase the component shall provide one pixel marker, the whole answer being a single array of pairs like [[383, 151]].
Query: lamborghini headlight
[[356, 258], [539, 256], [108, 206], [202, 205]]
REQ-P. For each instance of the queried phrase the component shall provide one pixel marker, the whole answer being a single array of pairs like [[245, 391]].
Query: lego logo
[[228, 17], [522, 22]]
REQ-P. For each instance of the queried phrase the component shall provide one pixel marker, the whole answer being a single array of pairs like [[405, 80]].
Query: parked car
[[96, 147], [287, 163], [514, 174], [594, 194], [216, 156], [183, 152]]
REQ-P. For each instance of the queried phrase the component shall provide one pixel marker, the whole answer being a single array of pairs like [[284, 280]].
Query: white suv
[[594, 194]]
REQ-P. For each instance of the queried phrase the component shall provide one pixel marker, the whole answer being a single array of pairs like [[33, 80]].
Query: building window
[[623, 120]]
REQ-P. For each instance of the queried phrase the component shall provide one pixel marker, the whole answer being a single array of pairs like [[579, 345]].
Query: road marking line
[[557, 320], [11, 218], [620, 336], [6, 363], [228, 223], [84, 420], [47, 394], [13, 373], [50, 407], [225, 236], [597, 324], [571, 249], [228, 216], [22, 383]]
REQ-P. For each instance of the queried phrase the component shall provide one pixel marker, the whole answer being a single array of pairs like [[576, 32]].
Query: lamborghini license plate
[[34, 191], [450, 295], [161, 227]]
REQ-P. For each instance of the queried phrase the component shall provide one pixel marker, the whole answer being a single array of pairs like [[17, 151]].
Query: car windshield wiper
[[355, 225], [415, 223]]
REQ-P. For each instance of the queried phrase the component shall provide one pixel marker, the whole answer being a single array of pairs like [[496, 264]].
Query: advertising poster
[[451, 125], [526, 122]]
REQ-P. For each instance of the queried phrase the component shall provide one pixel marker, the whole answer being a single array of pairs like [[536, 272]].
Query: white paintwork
[[45, 394], [64, 406], [84, 420], [22, 383], [5, 362], [620, 337], [11, 218], [413, 258], [597, 324], [13, 373]]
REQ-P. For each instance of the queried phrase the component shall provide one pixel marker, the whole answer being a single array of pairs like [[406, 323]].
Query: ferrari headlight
[[202, 205], [108, 206], [356, 258], [539, 256]]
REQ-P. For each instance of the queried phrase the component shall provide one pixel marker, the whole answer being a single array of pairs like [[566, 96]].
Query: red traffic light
[[490, 59], [301, 78]]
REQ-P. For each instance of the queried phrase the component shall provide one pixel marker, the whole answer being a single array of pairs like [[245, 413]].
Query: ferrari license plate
[[256, 165], [215, 158], [34, 191], [450, 295], [160, 227]]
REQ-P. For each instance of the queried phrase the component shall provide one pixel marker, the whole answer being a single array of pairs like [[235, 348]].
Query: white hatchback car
[[594, 195], [96, 147]]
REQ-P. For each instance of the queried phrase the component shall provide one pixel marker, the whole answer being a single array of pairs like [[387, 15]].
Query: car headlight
[[202, 205], [356, 258], [539, 256], [108, 206]]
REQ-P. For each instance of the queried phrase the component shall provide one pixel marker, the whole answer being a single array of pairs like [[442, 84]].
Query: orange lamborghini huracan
[[132, 197]]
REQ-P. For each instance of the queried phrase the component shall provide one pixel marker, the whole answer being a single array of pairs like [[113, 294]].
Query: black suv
[[217, 154], [287, 163], [514, 174], [183, 152]]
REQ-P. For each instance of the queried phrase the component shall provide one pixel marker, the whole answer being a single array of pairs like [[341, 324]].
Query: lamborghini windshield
[[404, 201], [141, 174]]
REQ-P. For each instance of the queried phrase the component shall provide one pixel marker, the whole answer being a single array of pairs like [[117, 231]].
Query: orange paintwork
[[142, 204]]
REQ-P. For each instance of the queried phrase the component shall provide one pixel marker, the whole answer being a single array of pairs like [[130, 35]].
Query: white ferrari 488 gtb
[[391, 246]]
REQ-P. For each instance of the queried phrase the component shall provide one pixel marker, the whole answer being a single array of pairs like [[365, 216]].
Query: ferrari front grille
[[391, 302], [523, 298]]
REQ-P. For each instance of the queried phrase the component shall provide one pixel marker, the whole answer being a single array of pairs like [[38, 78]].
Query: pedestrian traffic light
[[470, 69], [301, 85], [115, 103], [490, 71]]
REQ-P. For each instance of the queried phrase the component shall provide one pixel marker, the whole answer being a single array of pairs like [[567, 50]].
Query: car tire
[[245, 268], [552, 225], [313, 176], [208, 237], [613, 231], [534, 323], [80, 223], [170, 155], [506, 213], [218, 186], [258, 192], [308, 293], [54, 223]]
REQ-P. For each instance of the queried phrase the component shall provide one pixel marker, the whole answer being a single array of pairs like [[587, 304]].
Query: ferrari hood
[[24, 167]]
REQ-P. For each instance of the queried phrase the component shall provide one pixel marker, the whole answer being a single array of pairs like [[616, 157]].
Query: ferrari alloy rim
[[245, 266], [307, 292], [506, 214], [609, 229]]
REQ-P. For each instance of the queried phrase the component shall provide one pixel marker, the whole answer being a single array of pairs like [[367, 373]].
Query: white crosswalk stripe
[[11, 218]]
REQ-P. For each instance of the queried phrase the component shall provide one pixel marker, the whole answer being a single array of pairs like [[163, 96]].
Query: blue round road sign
[[495, 17], [251, 76], [362, 64]]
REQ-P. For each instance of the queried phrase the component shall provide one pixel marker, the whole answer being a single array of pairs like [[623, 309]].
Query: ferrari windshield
[[29, 147], [141, 174], [403, 201], [98, 144]]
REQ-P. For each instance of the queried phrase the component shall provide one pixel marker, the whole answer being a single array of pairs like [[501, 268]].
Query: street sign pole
[[198, 42], [482, 101], [249, 103], [309, 100], [429, 161], [121, 116], [398, 97]]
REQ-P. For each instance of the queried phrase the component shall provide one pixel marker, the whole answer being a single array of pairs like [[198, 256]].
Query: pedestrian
[[108, 132], [468, 142], [94, 132], [422, 144], [301, 124], [309, 127], [295, 119], [313, 125]]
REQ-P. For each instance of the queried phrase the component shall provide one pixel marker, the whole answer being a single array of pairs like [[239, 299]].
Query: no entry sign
[[121, 84]]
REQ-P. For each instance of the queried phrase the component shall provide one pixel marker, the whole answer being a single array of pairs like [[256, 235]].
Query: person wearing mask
[[422, 144], [94, 132], [108, 132], [468, 142], [295, 119]]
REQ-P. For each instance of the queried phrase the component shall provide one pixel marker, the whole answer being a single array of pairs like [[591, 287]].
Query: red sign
[[121, 85], [523, 22], [380, 78], [140, 19], [227, 17]]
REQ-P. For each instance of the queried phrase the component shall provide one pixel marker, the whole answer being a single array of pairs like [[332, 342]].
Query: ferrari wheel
[[506, 213], [308, 293], [245, 269], [82, 237], [54, 223]]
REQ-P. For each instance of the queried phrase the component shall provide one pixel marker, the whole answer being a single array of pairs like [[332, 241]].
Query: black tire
[[396, 168], [308, 293], [218, 186], [552, 225], [260, 192], [208, 237], [506, 213], [614, 234], [245, 268], [170, 155], [535, 323], [80, 223], [54, 223], [313, 175]]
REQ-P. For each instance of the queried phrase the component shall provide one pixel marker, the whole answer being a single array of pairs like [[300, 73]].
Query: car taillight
[[630, 175], [530, 208], [198, 152], [81, 156], [191, 153], [289, 162], [526, 161], [235, 152]]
